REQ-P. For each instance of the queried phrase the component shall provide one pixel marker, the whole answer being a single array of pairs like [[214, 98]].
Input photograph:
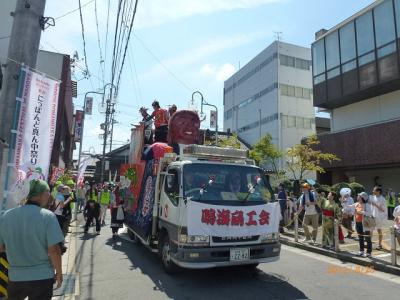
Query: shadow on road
[[219, 283]]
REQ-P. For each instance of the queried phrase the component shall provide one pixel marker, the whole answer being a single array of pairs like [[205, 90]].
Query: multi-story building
[[356, 78], [272, 94]]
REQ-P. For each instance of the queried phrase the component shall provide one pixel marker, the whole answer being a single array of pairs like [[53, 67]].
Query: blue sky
[[202, 42]]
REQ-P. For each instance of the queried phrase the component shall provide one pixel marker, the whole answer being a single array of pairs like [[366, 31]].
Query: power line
[[83, 38], [162, 64], [98, 41], [72, 11], [127, 42], [105, 44]]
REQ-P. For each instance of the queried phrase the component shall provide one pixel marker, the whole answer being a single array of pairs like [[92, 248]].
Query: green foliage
[[224, 142], [266, 153], [302, 158], [356, 188]]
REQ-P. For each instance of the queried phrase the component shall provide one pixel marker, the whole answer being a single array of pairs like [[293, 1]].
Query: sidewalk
[[70, 286], [380, 261]]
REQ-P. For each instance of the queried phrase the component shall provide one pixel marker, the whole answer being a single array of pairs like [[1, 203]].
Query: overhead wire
[[127, 42], [72, 11], [83, 38], [99, 43], [162, 64]]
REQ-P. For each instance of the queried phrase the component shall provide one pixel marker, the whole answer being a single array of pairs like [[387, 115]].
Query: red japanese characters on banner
[[222, 221]]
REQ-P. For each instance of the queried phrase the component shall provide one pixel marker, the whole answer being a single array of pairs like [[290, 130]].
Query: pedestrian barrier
[[393, 246], [3, 275], [296, 228]]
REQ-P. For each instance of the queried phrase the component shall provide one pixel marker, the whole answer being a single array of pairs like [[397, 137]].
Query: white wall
[[50, 63], [374, 110]]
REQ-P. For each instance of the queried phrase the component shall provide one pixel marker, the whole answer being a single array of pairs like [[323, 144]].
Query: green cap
[[70, 182], [36, 187]]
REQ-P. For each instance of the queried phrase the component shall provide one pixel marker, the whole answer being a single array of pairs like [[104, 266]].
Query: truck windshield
[[230, 184]]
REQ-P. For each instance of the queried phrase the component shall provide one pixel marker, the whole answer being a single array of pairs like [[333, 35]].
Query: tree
[[265, 153], [228, 142], [302, 158]]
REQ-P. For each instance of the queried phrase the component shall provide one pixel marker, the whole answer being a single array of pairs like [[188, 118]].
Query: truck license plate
[[240, 254]]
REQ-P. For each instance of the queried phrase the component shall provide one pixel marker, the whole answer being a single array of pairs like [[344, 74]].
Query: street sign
[[88, 105], [107, 165], [213, 119]]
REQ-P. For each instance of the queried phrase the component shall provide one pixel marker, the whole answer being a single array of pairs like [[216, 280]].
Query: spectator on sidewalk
[[364, 226], [105, 198], [396, 226], [308, 203], [34, 256], [117, 212], [80, 197], [348, 213], [92, 211], [330, 212], [379, 212], [67, 208], [390, 203], [282, 199]]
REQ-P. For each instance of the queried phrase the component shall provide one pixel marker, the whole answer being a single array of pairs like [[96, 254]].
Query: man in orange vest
[[160, 116]]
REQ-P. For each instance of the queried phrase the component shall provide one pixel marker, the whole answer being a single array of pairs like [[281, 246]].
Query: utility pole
[[23, 49]]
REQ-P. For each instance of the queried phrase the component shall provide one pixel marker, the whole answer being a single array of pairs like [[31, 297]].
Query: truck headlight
[[270, 237], [194, 240]]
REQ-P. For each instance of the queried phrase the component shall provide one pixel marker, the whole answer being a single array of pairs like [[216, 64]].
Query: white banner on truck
[[232, 221], [37, 123]]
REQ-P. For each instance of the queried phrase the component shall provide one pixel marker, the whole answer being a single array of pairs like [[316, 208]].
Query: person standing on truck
[[172, 110], [160, 116], [147, 121], [105, 197]]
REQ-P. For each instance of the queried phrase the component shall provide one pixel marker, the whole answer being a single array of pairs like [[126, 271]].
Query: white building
[[271, 95]]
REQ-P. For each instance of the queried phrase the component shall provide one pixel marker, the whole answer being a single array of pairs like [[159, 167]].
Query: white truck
[[207, 207]]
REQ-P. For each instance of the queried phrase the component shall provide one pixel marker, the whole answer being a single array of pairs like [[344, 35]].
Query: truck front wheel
[[169, 266]]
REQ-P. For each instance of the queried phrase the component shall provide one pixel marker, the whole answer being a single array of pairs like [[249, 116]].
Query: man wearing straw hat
[[34, 256]]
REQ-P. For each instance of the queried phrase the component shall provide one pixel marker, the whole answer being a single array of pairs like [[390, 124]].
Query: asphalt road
[[121, 270]]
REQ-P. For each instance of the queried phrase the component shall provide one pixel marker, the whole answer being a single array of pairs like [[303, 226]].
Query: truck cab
[[222, 186]]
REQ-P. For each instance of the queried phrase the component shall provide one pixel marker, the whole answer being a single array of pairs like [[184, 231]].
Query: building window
[[332, 50], [307, 123], [302, 64], [291, 91], [386, 50], [318, 57], [284, 89], [349, 66], [365, 34], [284, 120], [384, 23], [299, 122], [298, 92], [363, 60], [333, 73], [307, 94], [291, 121], [319, 79], [347, 42], [228, 114], [397, 11]]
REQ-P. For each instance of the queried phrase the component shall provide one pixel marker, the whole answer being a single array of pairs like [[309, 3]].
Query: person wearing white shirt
[[379, 212], [348, 213]]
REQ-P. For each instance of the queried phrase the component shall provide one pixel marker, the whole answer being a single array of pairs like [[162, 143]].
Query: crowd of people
[[41, 224], [366, 215]]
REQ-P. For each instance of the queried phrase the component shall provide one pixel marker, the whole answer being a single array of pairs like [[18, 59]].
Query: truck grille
[[218, 239]]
